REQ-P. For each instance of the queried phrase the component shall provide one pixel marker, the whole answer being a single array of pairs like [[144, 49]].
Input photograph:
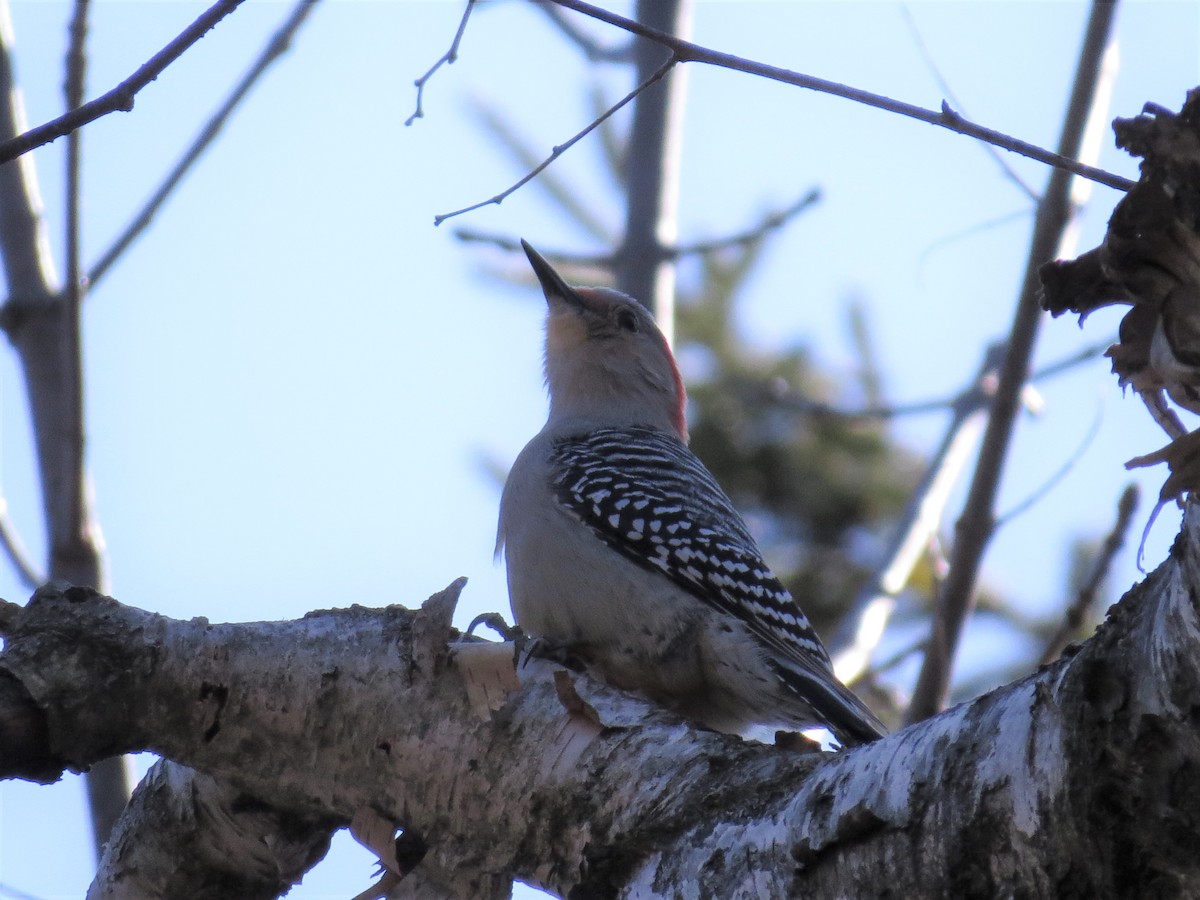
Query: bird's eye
[[627, 320]]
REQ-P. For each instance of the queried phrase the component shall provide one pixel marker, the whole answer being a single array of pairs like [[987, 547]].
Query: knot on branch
[[21, 311], [65, 591], [69, 645]]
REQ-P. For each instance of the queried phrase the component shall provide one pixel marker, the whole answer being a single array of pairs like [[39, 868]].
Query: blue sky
[[294, 377]]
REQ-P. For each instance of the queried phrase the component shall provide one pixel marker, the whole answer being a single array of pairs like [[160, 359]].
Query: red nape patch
[[678, 417]]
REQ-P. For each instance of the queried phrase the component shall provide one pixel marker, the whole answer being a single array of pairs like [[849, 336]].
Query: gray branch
[[977, 523], [546, 776], [685, 51]]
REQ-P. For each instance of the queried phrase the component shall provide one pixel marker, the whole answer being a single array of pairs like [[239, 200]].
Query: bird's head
[[606, 361]]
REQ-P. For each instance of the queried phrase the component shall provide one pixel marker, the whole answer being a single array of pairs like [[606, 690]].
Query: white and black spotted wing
[[650, 498], [647, 496]]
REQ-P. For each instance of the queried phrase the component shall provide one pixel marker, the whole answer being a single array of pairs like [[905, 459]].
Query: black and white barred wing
[[650, 498]]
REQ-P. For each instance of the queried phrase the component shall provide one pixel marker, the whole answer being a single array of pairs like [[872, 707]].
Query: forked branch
[[683, 51], [558, 151], [445, 59]]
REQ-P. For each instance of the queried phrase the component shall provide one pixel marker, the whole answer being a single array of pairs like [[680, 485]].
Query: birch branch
[[581, 790]]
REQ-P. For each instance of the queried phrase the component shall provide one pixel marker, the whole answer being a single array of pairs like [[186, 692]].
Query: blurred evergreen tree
[[819, 490]]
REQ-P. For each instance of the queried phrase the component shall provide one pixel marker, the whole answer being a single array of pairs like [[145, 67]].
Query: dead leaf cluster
[[1150, 260]]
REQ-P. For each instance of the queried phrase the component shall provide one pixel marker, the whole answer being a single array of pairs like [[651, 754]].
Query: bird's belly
[[571, 596], [635, 626]]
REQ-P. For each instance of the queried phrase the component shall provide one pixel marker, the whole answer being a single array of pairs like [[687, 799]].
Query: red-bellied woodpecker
[[623, 551]]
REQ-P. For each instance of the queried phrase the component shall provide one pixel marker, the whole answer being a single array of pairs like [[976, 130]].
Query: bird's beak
[[552, 283]]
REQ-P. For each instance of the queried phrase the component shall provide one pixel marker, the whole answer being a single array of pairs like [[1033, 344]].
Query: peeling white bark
[[1075, 781]]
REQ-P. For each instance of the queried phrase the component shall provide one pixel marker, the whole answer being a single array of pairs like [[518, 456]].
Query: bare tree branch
[[1084, 354], [446, 59], [238, 846], [864, 628], [277, 46], [585, 42], [1009, 172], [780, 394], [513, 245], [14, 549], [1039, 493], [76, 68], [121, 97], [642, 270], [869, 371], [562, 192], [1086, 598], [108, 782], [43, 328], [977, 522], [685, 51], [558, 151], [73, 288], [11, 893], [769, 223], [573, 787], [963, 233]]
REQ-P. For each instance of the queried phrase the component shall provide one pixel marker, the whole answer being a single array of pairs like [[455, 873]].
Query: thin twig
[[585, 42], [558, 151], [613, 143], [11, 893], [806, 405], [889, 662], [780, 395], [944, 85], [76, 65], [108, 783], [447, 59], [870, 372], [121, 97], [1059, 474], [964, 233], [769, 223], [1086, 597], [513, 245], [73, 89], [976, 525], [276, 47], [686, 51], [653, 153], [864, 628], [563, 192], [1059, 367], [14, 549]]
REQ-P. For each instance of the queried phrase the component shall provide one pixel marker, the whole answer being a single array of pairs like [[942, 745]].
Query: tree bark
[[45, 331], [643, 268], [1074, 782]]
